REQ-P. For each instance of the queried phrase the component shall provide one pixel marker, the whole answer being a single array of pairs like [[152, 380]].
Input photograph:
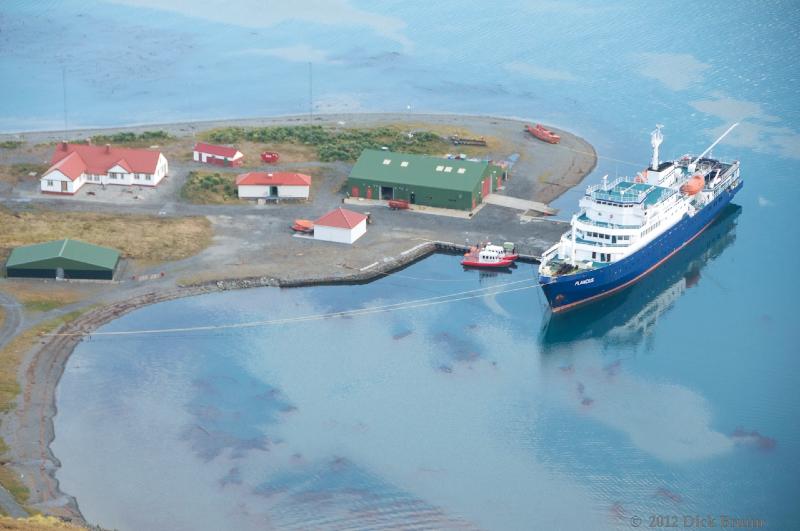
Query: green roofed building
[[422, 180], [67, 258]]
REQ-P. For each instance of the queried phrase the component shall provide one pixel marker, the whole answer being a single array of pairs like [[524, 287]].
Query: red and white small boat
[[489, 256], [542, 133]]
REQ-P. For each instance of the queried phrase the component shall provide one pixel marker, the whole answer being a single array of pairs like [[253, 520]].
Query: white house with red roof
[[219, 155], [277, 185], [74, 165], [342, 226]]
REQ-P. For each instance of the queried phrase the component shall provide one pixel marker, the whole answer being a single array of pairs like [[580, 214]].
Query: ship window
[[404, 164], [462, 170], [448, 169], [386, 162], [594, 255], [439, 168]]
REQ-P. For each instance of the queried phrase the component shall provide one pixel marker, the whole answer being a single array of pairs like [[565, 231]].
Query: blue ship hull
[[568, 291]]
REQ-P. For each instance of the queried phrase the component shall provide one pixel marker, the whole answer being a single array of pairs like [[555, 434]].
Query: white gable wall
[[340, 235], [51, 182]]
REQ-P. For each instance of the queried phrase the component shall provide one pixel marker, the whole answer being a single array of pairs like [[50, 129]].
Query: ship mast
[[655, 140], [693, 165]]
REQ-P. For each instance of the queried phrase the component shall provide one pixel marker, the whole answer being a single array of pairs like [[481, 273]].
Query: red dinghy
[[543, 134]]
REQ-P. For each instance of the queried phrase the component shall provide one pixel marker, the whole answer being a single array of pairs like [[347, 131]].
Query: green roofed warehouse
[[422, 180], [67, 258]]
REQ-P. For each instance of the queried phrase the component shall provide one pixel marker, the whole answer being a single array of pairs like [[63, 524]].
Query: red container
[[270, 157]]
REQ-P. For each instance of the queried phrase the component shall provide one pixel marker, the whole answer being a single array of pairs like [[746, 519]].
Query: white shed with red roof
[[219, 155], [74, 165], [342, 226], [276, 185]]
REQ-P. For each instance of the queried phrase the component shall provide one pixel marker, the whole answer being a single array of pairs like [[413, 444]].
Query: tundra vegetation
[[142, 139], [210, 188], [334, 144], [150, 239]]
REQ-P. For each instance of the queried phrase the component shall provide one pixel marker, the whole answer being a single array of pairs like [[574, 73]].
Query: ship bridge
[[626, 192], [622, 203]]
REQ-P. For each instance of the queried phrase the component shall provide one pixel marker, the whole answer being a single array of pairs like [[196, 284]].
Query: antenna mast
[[655, 140]]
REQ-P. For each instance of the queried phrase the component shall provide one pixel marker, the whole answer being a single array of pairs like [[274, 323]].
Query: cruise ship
[[628, 227]]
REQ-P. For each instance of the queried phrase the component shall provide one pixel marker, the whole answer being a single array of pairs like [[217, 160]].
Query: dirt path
[[13, 318]]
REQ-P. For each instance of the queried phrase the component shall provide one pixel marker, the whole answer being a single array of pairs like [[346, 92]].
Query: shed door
[[487, 182], [354, 191], [369, 192]]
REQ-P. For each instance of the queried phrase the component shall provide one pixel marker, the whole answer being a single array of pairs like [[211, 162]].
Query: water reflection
[[627, 318]]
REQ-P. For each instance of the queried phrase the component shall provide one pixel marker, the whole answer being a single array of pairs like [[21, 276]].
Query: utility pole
[[64, 95], [310, 95]]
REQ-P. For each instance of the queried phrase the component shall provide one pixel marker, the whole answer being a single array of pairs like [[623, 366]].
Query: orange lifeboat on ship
[[693, 185]]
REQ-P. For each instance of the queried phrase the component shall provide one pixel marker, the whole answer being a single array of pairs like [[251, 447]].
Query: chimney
[[108, 148], [63, 145]]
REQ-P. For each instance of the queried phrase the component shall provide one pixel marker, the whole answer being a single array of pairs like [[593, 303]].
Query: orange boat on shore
[[542, 133], [303, 225]]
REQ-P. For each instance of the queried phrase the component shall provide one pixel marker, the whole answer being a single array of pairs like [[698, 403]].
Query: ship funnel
[[655, 140]]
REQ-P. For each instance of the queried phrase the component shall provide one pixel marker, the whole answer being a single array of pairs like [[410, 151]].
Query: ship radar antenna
[[655, 140]]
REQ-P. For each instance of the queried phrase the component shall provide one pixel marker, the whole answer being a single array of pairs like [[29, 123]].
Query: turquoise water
[[483, 412]]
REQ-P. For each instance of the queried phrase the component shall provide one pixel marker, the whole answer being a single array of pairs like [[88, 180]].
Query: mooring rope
[[405, 305]]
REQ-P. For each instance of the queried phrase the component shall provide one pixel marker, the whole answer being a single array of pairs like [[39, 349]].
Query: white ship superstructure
[[618, 219]]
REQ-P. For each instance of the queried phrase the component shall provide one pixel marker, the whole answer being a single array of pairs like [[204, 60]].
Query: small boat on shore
[[543, 133], [399, 204], [303, 225], [489, 255]]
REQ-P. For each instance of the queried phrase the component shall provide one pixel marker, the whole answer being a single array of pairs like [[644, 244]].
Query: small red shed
[[219, 155]]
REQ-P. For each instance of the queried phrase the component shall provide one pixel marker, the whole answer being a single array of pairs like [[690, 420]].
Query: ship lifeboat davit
[[693, 185]]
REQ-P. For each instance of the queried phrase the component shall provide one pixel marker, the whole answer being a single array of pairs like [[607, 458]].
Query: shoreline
[[29, 429], [50, 357], [294, 119]]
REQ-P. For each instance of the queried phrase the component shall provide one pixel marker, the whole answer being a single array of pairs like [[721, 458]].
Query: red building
[[219, 155]]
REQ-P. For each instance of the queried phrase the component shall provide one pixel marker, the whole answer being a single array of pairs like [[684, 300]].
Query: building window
[[439, 168], [50, 183], [448, 169], [462, 170], [404, 164], [148, 177], [386, 162]]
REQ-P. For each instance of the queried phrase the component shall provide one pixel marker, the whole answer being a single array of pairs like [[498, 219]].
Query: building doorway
[[64, 187], [412, 198], [387, 193], [273, 191]]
